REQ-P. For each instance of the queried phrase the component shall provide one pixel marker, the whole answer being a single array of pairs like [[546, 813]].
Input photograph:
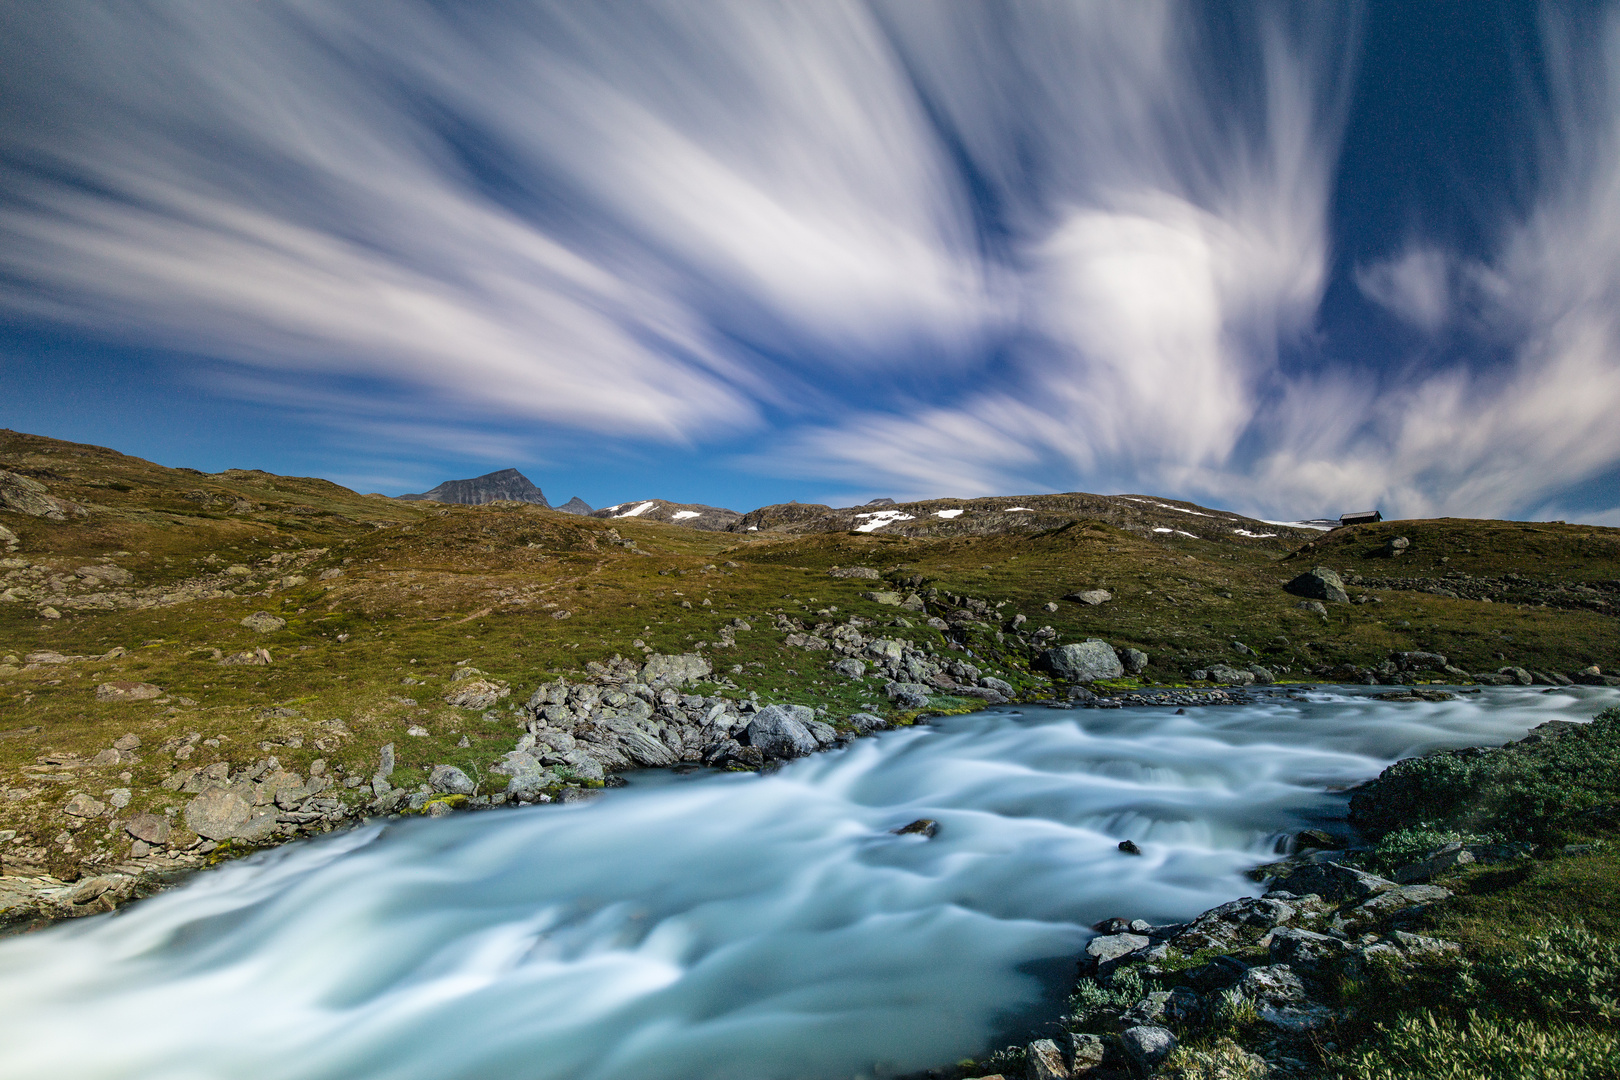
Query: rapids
[[718, 925]]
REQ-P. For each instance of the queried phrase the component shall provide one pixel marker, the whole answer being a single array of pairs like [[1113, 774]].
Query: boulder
[[263, 622], [1332, 881], [674, 670], [1319, 583], [850, 668], [1147, 1045], [85, 806], [218, 814], [776, 732], [1231, 676], [1084, 661], [1273, 983], [1044, 1061], [1000, 686], [449, 780], [476, 693], [892, 599], [1112, 946], [27, 496], [865, 722], [1091, 597], [907, 695], [1135, 661], [1395, 546], [152, 828], [854, 572]]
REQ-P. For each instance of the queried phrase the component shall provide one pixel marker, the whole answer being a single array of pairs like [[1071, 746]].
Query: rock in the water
[[264, 623], [1129, 847], [1091, 597], [1319, 583], [924, 827], [218, 814], [127, 691], [1147, 1045], [1113, 946], [1084, 661], [776, 732], [449, 780], [152, 828]]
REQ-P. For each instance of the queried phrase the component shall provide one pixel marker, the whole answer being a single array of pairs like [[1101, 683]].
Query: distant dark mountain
[[506, 485], [576, 505]]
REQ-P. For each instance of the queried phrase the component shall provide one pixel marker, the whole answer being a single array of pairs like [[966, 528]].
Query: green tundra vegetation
[[129, 594]]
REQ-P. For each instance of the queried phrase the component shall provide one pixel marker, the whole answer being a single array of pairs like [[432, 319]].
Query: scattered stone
[[84, 806], [126, 691], [907, 695], [476, 694], [1314, 606], [263, 622], [892, 599], [1417, 693], [853, 572], [1090, 597], [1135, 661], [127, 742], [850, 668]]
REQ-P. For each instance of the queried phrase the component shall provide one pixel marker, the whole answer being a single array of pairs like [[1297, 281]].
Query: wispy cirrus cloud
[[960, 249]]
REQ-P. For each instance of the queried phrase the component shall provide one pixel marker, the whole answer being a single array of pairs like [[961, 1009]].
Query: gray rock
[[152, 828], [1319, 583], [127, 742], [642, 749], [854, 572], [1395, 546], [864, 722], [1084, 661], [476, 694], [1000, 686], [1419, 661], [1518, 675], [1295, 1019], [907, 695], [584, 766], [1086, 1052], [1395, 899], [1314, 606], [1147, 1046], [776, 732], [29, 496], [1262, 676], [1304, 949], [85, 806], [892, 599], [1332, 881], [263, 622], [1231, 676], [449, 780], [1091, 597], [675, 670], [1044, 1061], [850, 668], [385, 763], [218, 814], [1273, 983], [1112, 946], [1135, 661], [824, 734]]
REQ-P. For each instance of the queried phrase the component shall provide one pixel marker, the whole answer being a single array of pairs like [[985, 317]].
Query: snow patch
[[1167, 506], [1192, 536], [682, 515], [1015, 509], [1253, 535], [881, 518], [1164, 530], [948, 514], [639, 510], [1298, 525]]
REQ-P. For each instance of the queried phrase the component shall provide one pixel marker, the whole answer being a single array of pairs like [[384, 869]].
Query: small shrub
[[1568, 973], [1426, 1046], [1406, 846], [1092, 1001], [1224, 1060]]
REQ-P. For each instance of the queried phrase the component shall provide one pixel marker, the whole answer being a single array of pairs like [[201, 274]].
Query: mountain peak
[[502, 485]]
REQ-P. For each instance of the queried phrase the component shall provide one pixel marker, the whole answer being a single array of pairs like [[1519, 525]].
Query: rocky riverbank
[[1323, 973]]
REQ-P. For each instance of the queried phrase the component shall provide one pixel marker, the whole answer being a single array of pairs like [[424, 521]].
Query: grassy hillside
[[150, 572]]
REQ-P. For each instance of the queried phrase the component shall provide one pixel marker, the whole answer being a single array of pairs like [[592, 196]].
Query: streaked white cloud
[[1415, 286]]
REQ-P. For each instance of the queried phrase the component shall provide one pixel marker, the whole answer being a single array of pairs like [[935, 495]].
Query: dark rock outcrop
[[507, 485]]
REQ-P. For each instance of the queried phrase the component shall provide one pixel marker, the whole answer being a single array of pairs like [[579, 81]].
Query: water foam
[[715, 926]]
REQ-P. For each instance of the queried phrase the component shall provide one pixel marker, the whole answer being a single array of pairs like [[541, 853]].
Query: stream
[[720, 926]]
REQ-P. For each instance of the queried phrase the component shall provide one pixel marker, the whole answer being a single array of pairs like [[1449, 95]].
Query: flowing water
[[717, 926]]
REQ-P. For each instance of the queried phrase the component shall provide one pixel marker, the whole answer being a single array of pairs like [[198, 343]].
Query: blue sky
[[1290, 260]]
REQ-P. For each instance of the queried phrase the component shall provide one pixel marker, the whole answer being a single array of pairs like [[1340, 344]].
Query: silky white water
[[717, 926]]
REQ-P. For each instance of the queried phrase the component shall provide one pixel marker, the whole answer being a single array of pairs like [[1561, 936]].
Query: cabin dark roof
[[1360, 517]]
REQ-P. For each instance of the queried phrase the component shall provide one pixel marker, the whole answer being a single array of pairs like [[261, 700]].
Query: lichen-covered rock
[[127, 691], [676, 670], [263, 622], [218, 814], [449, 780], [1147, 1045], [1083, 661], [776, 732], [1319, 583], [476, 694]]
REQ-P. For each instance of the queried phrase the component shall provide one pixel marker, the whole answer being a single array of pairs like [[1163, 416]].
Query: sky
[[1286, 259]]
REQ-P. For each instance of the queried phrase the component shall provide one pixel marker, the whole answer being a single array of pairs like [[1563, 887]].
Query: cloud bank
[[901, 248]]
